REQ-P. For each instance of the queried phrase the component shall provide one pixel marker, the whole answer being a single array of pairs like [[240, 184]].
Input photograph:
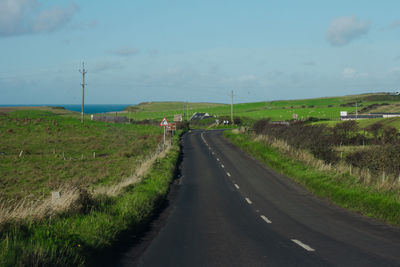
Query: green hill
[[324, 108]]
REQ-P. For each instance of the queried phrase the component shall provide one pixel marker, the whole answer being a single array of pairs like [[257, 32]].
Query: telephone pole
[[356, 110], [83, 71], [232, 106], [187, 111]]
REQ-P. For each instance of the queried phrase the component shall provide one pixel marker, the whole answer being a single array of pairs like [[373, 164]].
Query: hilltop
[[326, 108]]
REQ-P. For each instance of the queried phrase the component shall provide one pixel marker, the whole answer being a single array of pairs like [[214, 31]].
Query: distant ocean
[[89, 108]]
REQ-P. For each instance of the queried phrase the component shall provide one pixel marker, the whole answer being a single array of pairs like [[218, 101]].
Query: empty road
[[231, 210]]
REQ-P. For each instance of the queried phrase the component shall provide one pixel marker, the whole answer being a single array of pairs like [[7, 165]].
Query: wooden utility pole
[[232, 106], [83, 71], [187, 111], [356, 110]]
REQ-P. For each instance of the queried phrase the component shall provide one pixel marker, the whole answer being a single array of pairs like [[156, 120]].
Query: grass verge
[[74, 237], [341, 189]]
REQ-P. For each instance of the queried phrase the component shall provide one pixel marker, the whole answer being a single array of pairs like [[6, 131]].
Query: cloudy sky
[[151, 50]]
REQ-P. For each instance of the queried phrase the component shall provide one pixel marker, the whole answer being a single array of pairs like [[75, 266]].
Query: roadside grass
[[41, 151], [75, 237], [341, 188]]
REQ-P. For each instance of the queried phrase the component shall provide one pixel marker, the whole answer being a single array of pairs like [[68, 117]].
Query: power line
[[83, 71]]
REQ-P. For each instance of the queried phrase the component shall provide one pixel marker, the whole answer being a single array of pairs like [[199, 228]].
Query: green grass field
[[323, 108], [41, 150], [85, 238], [58, 150]]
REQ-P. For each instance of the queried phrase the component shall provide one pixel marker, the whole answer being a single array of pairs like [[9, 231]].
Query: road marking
[[248, 200], [218, 159], [213, 153], [265, 219], [228, 174], [237, 186], [222, 165], [301, 244]]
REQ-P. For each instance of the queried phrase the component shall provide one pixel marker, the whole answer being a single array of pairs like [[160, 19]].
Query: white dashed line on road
[[301, 244], [222, 165], [218, 159], [248, 200], [237, 186], [228, 174], [265, 219]]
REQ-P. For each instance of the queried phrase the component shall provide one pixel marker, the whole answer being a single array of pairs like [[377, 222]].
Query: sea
[[89, 108]]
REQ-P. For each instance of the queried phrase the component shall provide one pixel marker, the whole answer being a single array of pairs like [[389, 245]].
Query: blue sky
[[138, 51]]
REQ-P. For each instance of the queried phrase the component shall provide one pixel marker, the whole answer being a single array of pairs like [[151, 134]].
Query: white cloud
[[343, 30], [247, 78], [310, 63], [106, 66], [52, 19], [395, 24], [84, 25], [27, 17], [153, 52], [395, 71], [125, 51], [349, 73]]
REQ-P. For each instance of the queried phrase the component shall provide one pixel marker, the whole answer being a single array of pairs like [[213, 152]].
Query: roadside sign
[[171, 127], [164, 122], [177, 117]]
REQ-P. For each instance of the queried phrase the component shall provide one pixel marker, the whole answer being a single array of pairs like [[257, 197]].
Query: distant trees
[[375, 129], [343, 133], [389, 135]]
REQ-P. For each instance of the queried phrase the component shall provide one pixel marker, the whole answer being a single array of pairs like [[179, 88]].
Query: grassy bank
[[74, 237], [341, 188], [41, 151]]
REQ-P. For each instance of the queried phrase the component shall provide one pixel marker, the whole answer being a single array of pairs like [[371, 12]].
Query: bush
[[260, 125], [377, 159], [182, 125], [237, 120]]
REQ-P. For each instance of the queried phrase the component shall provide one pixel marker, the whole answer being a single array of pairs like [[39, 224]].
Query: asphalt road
[[230, 210]]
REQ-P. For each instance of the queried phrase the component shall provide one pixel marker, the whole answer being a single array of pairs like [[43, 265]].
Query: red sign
[[164, 122], [171, 127]]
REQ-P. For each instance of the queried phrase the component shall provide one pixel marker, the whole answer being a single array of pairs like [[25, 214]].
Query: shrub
[[377, 159], [237, 120]]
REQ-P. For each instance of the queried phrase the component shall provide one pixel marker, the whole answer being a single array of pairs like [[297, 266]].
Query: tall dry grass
[[385, 182], [140, 172], [69, 197]]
